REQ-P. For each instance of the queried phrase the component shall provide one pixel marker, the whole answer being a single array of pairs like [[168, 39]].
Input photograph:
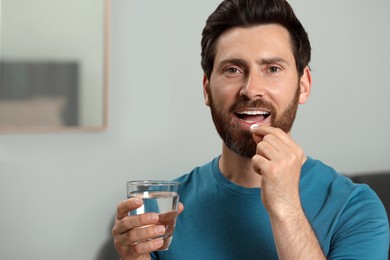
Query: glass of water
[[161, 197]]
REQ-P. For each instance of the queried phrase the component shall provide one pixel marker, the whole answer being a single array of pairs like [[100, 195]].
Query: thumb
[[256, 134]]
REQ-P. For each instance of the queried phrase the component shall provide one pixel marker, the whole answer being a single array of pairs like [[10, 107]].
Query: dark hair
[[247, 13]]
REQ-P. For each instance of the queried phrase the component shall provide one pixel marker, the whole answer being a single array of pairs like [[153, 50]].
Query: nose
[[253, 87]]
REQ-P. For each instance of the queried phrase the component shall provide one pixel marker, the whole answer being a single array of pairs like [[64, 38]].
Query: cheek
[[283, 93], [221, 95], [279, 97], [223, 100]]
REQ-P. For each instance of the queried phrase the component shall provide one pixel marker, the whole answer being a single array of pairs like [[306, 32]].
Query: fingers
[[130, 222], [139, 241], [135, 235], [124, 224], [259, 132], [140, 235], [270, 146], [273, 142], [259, 163], [125, 206], [180, 208], [147, 247], [275, 150]]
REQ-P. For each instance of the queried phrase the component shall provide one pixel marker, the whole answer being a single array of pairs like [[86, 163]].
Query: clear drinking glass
[[161, 197]]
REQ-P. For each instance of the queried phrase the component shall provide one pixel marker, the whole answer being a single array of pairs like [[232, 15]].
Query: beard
[[240, 140]]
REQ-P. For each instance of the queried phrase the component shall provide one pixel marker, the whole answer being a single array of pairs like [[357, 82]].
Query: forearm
[[279, 161], [294, 237]]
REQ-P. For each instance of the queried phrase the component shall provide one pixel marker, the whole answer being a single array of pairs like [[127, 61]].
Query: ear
[[206, 84], [305, 85]]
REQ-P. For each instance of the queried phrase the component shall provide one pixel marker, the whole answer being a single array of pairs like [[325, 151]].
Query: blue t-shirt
[[225, 221]]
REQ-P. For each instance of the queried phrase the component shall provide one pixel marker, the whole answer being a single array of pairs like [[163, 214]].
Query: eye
[[274, 69], [232, 70]]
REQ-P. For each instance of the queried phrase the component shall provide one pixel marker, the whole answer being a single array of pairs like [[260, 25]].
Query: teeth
[[253, 113]]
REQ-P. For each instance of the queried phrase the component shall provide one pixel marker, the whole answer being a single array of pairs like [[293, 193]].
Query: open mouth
[[252, 117]]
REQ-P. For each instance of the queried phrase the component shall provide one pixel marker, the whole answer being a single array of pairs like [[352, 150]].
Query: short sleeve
[[362, 231]]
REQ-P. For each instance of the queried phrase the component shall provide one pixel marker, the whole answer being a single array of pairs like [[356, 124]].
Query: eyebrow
[[235, 61], [272, 60], [263, 61]]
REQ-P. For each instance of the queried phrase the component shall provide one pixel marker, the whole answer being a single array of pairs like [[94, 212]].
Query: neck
[[238, 169]]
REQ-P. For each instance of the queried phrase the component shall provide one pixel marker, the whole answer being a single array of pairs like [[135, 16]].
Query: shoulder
[[355, 213], [363, 223], [199, 174], [318, 175], [318, 172], [319, 178]]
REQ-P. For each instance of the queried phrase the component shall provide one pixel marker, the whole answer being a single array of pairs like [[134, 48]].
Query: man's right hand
[[127, 231], [126, 234]]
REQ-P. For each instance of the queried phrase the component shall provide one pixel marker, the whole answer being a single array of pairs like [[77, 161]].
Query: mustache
[[242, 104]]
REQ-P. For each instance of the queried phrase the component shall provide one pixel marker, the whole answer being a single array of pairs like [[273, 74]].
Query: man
[[262, 198]]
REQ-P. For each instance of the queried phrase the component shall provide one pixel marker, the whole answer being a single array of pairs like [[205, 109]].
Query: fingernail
[[254, 126], [160, 229], [159, 242], [137, 201], [153, 217]]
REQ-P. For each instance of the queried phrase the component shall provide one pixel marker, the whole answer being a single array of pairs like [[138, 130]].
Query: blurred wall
[[62, 31], [58, 191]]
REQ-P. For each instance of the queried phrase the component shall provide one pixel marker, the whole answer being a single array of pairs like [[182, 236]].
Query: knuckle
[[118, 209], [151, 231], [279, 131], [131, 236], [143, 219], [262, 146], [148, 247], [267, 137], [121, 208], [142, 248], [272, 169], [122, 222], [293, 157], [297, 155], [114, 230], [138, 249]]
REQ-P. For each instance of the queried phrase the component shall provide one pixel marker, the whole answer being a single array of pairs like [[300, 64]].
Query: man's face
[[254, 81]]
